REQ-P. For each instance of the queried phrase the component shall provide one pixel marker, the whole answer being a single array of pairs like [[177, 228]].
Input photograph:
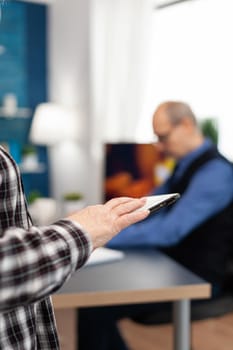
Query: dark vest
[[207, 249]]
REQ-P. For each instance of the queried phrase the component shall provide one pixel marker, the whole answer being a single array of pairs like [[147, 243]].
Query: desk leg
[[181, 321]]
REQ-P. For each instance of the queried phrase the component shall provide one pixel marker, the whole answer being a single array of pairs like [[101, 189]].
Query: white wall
[[97, 57], [193, 62], [68, 79], [191, 57]]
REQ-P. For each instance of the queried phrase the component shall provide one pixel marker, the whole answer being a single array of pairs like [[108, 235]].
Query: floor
[[211, 334]]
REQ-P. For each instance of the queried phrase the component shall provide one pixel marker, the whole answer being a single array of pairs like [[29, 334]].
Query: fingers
[[112, 203], [125, 204], [103, 222], [132, 218], [124, 211], [129, 206]]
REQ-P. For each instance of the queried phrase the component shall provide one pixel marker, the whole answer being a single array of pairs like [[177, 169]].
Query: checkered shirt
[[34, 263]]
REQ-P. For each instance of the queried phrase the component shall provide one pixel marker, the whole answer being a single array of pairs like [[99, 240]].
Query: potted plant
[[29, 157], [209, 129], [33, 196], [72, 201], [42, 209]]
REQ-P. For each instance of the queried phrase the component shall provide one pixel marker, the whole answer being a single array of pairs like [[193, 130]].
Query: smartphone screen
[[156, 202]]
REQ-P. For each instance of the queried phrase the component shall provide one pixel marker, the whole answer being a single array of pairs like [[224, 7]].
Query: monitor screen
[[133, 169]]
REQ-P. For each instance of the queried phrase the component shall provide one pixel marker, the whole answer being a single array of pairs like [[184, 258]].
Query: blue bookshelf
[[23, 73]]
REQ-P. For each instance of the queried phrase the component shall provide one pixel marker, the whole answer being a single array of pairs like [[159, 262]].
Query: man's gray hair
[[177, 111]]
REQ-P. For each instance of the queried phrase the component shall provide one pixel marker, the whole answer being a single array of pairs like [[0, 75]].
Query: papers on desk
[[103, 255]]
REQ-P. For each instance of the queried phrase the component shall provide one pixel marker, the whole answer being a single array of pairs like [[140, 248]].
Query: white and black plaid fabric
[[34, 263]]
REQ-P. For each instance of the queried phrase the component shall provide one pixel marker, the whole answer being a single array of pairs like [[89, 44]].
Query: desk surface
[[142, 276]]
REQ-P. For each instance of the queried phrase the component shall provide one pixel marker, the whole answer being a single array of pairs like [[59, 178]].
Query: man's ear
[[188, 123]]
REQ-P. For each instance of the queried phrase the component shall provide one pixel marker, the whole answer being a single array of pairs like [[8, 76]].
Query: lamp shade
[[51, 124]]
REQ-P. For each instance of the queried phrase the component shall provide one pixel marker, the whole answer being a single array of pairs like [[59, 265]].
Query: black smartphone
[[156, 202]]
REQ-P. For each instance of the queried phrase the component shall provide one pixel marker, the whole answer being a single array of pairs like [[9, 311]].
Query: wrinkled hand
[[104, 221]]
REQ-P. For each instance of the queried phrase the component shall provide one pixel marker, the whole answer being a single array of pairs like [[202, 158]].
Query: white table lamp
[[52, 124], [56, 127]]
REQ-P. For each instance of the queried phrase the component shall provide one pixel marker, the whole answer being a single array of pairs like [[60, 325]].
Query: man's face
[[171, 138]]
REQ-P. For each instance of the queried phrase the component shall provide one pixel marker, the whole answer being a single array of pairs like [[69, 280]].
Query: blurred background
[[103, 66]]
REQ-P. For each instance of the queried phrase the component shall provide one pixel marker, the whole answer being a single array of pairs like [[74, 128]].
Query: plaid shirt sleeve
[[34, 261]]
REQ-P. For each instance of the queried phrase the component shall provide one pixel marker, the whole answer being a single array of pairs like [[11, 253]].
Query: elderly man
[[196, 230]]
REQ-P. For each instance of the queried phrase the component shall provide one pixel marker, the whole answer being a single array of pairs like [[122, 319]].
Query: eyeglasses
[[163, 138]]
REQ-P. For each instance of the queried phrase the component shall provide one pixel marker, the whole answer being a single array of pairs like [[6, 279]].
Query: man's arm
[[210, 191]]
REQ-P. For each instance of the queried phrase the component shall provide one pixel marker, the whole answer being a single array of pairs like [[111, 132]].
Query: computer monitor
[[133, 169]]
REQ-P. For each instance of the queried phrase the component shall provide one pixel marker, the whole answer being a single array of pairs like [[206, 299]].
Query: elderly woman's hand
[[104, 221]]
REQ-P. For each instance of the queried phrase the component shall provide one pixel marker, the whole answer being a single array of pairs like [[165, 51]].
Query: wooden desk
[[142, 276]]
